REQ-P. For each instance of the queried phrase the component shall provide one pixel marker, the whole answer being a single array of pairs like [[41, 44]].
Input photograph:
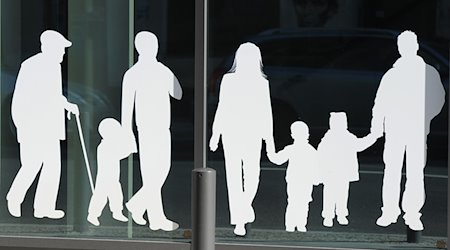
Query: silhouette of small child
[[338, 166], [115, 146], [301, 175]]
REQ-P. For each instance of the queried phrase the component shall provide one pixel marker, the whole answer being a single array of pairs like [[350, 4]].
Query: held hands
[[376, 128], [371, 138], [376, 131], [270, 148]]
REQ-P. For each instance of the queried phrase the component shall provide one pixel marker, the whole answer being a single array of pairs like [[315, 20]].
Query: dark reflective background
[[318, 56], [323, 56], [102, 33]]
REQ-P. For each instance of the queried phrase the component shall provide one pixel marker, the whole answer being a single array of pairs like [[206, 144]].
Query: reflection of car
[[315, 71]]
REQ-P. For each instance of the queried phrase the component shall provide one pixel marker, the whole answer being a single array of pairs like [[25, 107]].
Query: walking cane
[[88, 168]]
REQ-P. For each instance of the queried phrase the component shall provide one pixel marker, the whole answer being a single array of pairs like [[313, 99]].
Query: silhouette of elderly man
[[410, 95], [37, 109], [147, 88]]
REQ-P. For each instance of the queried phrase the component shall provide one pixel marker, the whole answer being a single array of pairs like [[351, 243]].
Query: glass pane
[[322, 58], [102, 50]]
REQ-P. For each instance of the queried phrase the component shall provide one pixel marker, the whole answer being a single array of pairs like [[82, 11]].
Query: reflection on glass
[[334, 64], [92, 73]]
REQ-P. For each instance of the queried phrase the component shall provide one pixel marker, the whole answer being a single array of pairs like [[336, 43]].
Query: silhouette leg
[[290, 221], [329, 204], [341, 203], [138, 204], [251, 171], [233, 167], [393, 155], [31, 164], [136, 208], [98, 202], [48, 184], [302, 217], [155, 160], [414, 194], [304, 197], [115, 197]]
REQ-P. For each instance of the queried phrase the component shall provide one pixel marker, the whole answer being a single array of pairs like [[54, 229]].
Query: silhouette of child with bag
[[338, 166], [301, 175], [116, 145]]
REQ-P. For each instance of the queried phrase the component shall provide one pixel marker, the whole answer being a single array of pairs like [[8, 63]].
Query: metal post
[[413, 236], [200, 84], [130, 165], [203, 209], [203, 179]]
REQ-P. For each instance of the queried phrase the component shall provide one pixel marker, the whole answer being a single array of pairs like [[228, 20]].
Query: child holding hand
[[338, 152], [301, 175], [115, 146]]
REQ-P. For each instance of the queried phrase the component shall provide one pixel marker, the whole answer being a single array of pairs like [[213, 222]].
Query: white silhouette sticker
[[339, 166], [410, 95], [243, 119], [116, 145], [301, 175], [37, 110], [147, 88]]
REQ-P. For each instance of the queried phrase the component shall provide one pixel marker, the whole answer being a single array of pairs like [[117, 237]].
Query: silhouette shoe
[[120, 217], [328, 222], [386, 220], [250, 216], [137, 218], [52, 214], [301, 229], [414, 223], [342, 220], [165, 225], [290, 229], [14, 208], [239, 230], [93, 220]]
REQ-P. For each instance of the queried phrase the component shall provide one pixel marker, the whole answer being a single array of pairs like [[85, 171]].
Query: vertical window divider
[[201, 10], [130, 63]]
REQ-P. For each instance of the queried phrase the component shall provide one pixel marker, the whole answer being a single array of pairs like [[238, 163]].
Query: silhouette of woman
[[243, 119]]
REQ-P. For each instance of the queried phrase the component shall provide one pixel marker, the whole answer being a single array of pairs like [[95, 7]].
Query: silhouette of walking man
[[37, 109], [410, 95], [147, 88]]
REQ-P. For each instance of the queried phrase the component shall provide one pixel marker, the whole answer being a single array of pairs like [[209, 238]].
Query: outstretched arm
[[365, 142], [280, 157]]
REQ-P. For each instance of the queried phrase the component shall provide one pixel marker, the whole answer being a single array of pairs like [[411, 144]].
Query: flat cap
[[54, 38]]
